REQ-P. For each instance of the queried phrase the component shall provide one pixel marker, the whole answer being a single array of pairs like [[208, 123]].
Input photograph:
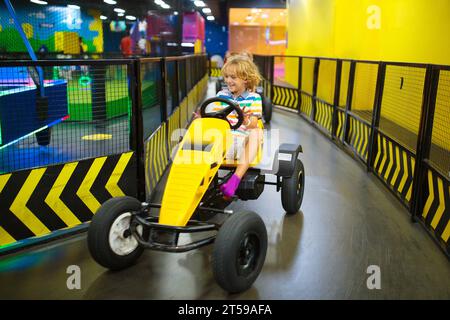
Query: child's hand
[[196, 115]]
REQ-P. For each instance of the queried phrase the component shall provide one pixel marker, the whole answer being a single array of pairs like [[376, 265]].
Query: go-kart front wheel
[[239, 251], [292, 189], [110, 241]]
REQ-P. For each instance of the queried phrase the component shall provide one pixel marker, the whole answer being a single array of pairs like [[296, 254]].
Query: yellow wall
[[408, 30]]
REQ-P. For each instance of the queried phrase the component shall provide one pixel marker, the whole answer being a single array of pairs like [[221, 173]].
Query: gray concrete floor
[[348, 222]]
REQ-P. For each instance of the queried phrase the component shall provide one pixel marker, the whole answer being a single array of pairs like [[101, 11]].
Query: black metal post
[[351, 83], [337, 89], [271, 74], [164, 113], [137, 135], [299, 88], [424, 138], [314, 91], [373, 146]]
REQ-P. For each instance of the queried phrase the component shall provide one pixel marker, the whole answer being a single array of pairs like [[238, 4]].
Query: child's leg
[[250, 152]]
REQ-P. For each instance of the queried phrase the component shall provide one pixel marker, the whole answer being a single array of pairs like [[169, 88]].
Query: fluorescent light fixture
[[175, 13], [254, 10], [172, 44], [130, 17], [118, 10], [158, 2], [110, 1], [103, 17], [206, 10], [199, 3], [165, 6], [187, 44], [120, 14], [39, 2], [73, 6], [210, 18], [264, 16]]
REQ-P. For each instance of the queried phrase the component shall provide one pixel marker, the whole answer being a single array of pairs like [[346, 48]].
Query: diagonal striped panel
[[285, 97], [324, 115], [306, 104], [435, 213], [156, 158], [395, 166], [340, 125], [359, 134], [38, 201]]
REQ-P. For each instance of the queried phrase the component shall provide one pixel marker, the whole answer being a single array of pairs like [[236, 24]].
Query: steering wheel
[[222, 114]]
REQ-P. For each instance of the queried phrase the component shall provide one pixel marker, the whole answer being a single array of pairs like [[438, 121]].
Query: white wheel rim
[[118, 243]]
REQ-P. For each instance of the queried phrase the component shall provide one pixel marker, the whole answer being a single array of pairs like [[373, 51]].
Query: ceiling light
[[264, 16], [158, 2], [118, 10], [103, 17], [73, 6], [120, 14], [199, 3], [210, 18], [165, 6], [187, 44], [206, 10], [110, 1], [175, 13], [130, 17], [39, 2], [254, 10]]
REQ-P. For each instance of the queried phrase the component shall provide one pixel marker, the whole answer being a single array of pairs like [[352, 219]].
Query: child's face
[[235, 85]]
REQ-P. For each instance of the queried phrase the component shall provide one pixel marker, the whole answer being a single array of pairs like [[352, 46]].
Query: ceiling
[[138, 8]]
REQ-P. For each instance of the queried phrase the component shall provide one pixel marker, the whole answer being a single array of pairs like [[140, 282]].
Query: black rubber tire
[[43, 137], [292, 189], [267, 108], [226, 264], [98, 233]]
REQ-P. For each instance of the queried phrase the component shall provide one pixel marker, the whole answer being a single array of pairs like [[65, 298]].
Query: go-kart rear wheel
[[110, 241], [267, 108], [292, 189], [239, 251]]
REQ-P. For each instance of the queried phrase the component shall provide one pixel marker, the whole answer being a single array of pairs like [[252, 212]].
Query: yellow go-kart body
[[199, 156]]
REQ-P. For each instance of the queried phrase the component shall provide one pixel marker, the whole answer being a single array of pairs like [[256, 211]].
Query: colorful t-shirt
[[248, 101]]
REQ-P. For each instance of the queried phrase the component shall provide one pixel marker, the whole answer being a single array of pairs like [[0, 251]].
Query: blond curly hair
[[244, 69]]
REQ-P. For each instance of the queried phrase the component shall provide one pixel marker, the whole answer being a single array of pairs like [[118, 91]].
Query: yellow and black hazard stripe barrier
[[340, 124], [358, 137], [285, 97], [38, 201], [436, 209], [156, 158], [324, 115], [395, 166], [215, 72], [173, 125], [306, 105]]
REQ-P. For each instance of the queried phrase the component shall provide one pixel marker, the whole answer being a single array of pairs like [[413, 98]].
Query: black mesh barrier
[[402, 104], [283, 78], [440, 139], [364, 89], [151, 86], [54, 113], [182, 79], [171, 87]]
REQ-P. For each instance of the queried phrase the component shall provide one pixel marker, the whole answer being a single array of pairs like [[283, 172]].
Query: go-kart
[[192, 202], [266, 102]]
